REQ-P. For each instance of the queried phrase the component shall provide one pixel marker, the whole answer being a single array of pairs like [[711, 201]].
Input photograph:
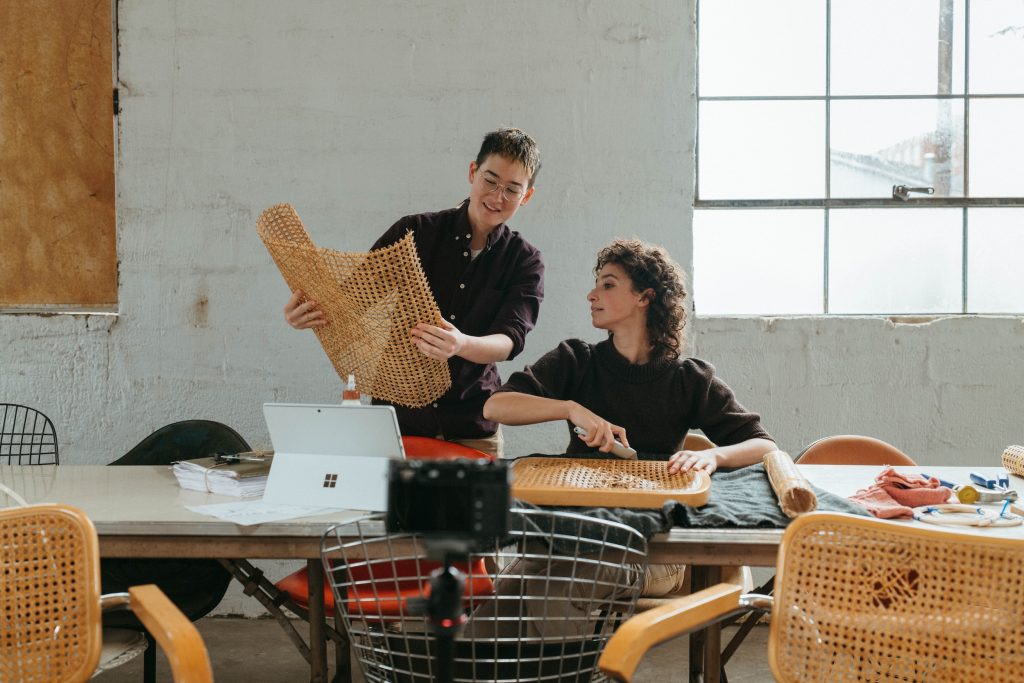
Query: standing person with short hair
[[488, 282]]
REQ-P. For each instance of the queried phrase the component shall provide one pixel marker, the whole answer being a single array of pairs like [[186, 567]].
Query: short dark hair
[[512, 144], [650, 267]]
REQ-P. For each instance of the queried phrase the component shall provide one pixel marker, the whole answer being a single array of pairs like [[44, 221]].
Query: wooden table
[[140, 512]]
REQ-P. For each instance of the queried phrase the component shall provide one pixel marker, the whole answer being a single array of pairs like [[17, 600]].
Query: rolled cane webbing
[[584, 482], [371, 301], [1013, 460], [792, 489]]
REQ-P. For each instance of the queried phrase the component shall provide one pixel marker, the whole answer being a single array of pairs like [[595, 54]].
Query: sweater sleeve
[[715, 410], [557, 374]]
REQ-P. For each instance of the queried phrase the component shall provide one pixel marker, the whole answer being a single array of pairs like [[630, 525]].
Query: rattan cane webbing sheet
[[582, 482], [1013, 460], [49, 595], [870, 600], [371, 301], [791, 488]]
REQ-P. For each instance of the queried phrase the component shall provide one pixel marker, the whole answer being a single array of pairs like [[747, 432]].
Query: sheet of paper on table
[[249, 512]]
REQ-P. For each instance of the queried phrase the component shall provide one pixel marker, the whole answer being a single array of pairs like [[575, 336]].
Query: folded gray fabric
[[740, 498]]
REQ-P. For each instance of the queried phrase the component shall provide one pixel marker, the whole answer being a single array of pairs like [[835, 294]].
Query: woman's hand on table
[[301, 314], [684, 461], [601, 433]]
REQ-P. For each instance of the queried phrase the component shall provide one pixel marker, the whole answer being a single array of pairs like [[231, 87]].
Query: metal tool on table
[[986, 489]]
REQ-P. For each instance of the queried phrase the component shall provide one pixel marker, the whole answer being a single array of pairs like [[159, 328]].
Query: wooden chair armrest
[[176, 635], [634, 638]]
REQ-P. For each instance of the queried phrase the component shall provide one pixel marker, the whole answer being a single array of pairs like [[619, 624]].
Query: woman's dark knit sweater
[[657, 402]]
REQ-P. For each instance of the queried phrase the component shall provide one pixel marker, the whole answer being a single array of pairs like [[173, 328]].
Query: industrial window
[[57, 224], [859, 157]]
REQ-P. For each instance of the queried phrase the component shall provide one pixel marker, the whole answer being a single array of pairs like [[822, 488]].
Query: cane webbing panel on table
[[791, 488], [371, 301], [582, 482], [871, 600], [49, 595], [1013, 460]]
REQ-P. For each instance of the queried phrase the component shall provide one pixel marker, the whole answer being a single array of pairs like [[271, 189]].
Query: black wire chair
[[27, 437]]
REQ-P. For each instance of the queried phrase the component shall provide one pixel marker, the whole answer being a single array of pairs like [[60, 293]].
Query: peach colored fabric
[[894, 494]]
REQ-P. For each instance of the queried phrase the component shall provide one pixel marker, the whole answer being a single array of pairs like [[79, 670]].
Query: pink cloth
[[893, 495]]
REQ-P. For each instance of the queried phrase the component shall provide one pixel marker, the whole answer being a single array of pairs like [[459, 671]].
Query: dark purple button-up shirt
[[498, 292]]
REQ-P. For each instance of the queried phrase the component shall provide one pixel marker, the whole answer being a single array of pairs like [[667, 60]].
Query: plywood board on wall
[[58, 242]]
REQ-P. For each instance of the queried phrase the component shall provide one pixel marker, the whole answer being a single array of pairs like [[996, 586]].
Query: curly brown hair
[[650, 267]]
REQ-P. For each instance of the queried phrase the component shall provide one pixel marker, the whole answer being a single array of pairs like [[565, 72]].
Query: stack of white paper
[[242, 480]]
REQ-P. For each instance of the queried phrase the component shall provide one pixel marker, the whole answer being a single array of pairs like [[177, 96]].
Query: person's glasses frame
[[507, 193]]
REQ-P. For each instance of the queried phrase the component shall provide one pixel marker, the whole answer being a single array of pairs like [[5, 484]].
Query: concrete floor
[[257, 651]]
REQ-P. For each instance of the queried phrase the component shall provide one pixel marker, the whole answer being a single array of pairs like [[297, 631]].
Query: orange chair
[[849, 449], [392, 592]]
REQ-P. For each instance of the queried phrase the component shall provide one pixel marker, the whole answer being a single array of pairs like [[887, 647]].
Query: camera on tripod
[[459, 500]]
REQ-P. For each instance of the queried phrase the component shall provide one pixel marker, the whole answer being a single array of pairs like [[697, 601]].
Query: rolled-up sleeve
[[520, 306]]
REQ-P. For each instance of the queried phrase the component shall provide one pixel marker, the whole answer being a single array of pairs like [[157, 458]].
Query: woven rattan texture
[[867, 600], [1013, 460], [46, 598], [791, 488], [371, 301], [625, 483]]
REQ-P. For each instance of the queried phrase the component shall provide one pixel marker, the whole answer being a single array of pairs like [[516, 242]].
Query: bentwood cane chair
[[50, 626], [860, 599], [27, 437]]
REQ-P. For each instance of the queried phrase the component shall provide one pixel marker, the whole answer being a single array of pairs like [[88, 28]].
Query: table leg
[[698, 581], [713, 635], [317, 635], [705, 645]]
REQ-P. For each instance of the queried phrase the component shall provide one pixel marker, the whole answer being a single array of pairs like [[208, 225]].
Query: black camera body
[[460, 500]]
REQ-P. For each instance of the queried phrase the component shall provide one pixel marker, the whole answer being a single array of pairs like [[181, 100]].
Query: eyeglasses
[[509, 194]]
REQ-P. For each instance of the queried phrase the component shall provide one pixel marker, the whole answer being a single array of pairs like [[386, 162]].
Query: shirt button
[[468, 236], [452, 316], [465, 253], [435, 405], [462, 286]]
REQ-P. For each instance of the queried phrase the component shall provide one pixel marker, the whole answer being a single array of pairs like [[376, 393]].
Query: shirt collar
[[462, 227]]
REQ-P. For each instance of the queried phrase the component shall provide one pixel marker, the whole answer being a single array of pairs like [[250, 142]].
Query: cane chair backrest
[[551, 600], [27, 437], [50, 606], [864, 599]]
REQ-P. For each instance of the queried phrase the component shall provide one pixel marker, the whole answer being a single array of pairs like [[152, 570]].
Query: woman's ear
[[646, 297]]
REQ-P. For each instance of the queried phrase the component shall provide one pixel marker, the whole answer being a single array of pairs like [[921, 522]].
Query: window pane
[[997, 148], [752, 47], [758, 262], [995, 242], [997, 46], [904, 47], [761, 150], [880, 143], [895, 260]]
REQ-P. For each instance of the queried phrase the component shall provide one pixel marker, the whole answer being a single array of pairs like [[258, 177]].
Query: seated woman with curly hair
[[635, 386]]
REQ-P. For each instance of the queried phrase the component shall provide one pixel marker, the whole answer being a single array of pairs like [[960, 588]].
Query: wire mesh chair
[[558, 586], [27, 437]]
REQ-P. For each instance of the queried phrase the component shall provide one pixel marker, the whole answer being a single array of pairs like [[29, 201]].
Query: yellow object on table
[[792, 489]]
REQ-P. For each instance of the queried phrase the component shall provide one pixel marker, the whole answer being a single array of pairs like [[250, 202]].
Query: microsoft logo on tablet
[[330, 481]]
